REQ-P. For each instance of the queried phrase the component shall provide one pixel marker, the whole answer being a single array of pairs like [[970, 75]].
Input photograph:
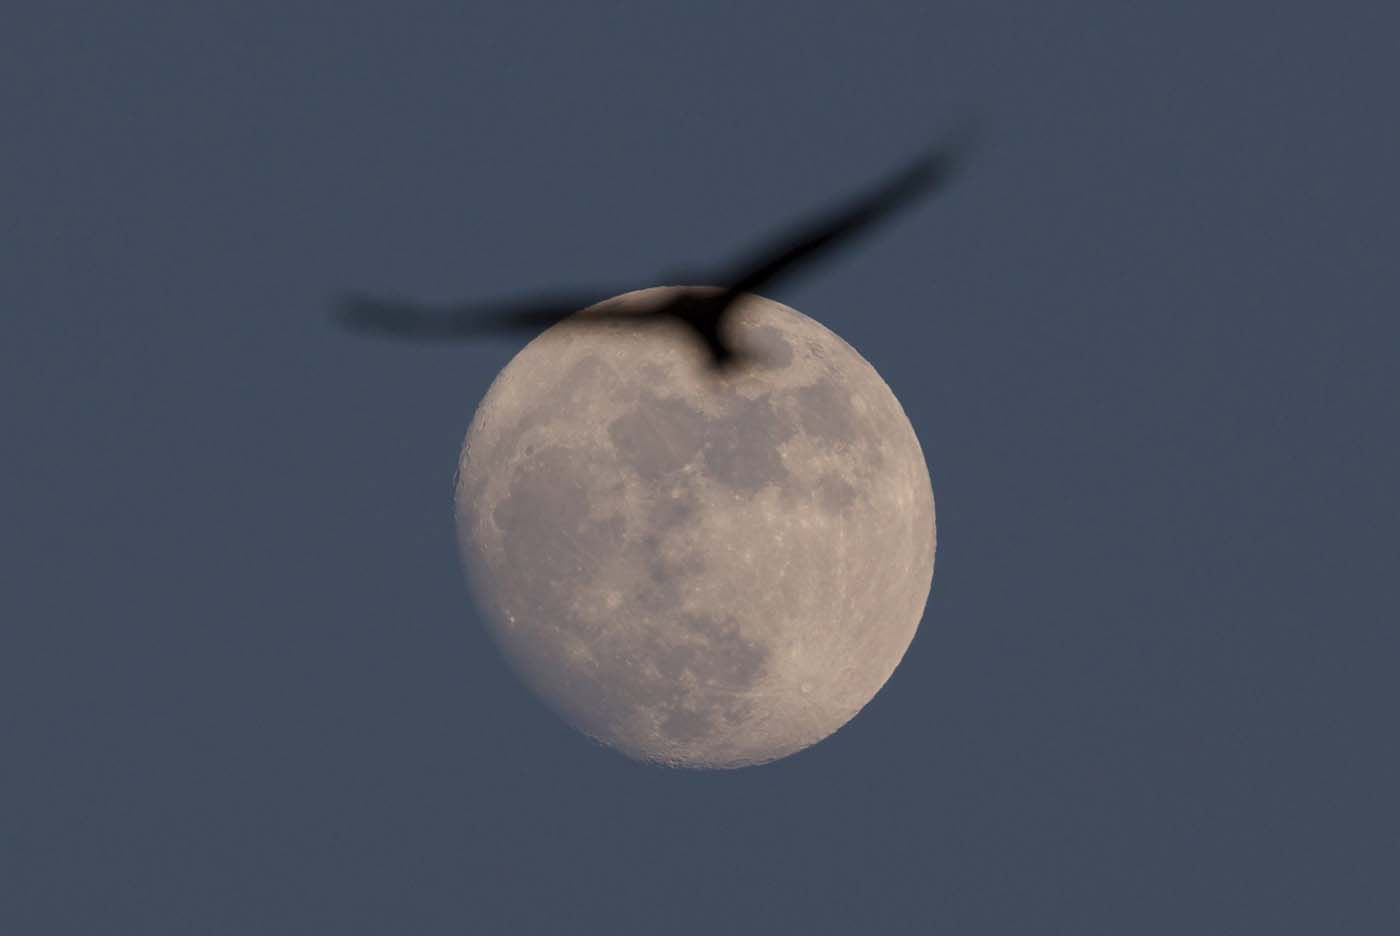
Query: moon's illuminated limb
[[697, 570]]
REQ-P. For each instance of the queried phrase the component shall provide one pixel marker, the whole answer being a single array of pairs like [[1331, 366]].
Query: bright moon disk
[[698, 570]]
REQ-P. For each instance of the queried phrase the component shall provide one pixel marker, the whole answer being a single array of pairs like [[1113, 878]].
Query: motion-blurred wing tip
[[366, 313]]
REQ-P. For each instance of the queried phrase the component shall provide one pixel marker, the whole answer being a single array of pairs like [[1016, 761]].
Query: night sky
[[1148, 343]]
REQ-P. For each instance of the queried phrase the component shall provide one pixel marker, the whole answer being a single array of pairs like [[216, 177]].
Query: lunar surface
[[697, 569]]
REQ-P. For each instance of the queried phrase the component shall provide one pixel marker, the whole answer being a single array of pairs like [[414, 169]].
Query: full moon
[[698, 569]]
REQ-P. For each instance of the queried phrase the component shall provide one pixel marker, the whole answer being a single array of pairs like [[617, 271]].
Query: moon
[[698, 569]]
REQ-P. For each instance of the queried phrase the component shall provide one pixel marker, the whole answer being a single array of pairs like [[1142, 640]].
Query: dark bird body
[[703, 311]]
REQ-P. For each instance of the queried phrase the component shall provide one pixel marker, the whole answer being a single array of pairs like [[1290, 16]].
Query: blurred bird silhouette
[[704, 310]]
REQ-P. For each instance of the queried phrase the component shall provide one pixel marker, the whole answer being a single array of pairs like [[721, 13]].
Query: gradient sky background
[[1149, 345]]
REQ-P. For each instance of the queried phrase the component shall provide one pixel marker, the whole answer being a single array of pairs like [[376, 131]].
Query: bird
[[704, 311]]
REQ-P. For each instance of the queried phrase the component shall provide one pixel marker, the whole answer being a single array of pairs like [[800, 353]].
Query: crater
[[768, 346]]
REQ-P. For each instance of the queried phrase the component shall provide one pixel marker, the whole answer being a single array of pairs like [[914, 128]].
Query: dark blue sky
[[1148, 343]]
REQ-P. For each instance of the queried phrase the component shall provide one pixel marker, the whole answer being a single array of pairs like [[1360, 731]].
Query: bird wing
[[809, 241], [406, 319]]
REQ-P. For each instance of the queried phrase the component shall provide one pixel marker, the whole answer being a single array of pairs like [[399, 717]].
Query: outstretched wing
[[403, 319], [412, 320], [810, 241]]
